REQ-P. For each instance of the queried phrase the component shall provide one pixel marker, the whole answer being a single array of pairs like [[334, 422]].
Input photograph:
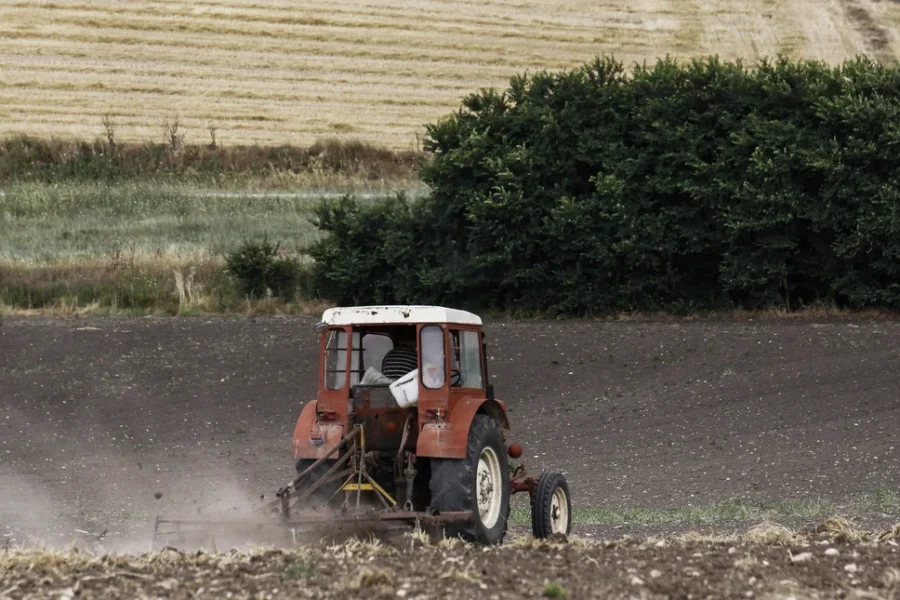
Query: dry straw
[[291, 72]]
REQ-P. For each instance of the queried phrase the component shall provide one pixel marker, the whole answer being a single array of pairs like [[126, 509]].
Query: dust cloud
[[33, 514]]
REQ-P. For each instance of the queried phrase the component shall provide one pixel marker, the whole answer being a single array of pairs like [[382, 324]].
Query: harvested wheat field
[[274, 72]]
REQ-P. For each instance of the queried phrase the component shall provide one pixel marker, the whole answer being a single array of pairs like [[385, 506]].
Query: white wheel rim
[[559, 512], [488, 488]]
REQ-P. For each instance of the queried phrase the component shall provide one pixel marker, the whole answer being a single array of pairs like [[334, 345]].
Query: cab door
[[465, 364]]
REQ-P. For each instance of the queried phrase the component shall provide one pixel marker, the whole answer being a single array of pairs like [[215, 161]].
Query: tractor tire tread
[[547, 484], [452, 483]]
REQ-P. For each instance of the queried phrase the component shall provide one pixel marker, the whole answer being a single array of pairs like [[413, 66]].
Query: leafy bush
[[388, 252], [260, 271], [674, 187]]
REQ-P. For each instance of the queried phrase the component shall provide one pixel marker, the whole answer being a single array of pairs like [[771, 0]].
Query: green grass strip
[[736, 510]]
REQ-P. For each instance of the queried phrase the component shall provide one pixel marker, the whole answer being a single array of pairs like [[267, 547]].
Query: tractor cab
[[423, 363], [367, 346]]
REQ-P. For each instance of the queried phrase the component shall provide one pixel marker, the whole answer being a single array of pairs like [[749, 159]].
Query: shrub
[[677, 187], [261, 272], [376, 252]]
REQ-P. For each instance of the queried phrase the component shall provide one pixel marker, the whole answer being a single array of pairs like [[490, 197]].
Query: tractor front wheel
[[551, 510], [479, 483]]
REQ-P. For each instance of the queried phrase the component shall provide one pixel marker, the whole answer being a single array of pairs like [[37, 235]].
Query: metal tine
[[307, 492], [308, 470], [293, 485]]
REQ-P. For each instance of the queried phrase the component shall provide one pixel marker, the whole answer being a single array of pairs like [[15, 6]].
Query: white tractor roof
[[377, 315]]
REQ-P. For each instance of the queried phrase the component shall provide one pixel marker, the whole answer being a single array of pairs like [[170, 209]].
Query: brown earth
[[815, 567], [99, 414]]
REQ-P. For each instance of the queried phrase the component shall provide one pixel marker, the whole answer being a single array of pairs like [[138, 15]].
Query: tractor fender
[[449, 439], [311, 439]]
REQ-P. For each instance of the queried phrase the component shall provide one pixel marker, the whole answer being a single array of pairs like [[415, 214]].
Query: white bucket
[[406, 389]]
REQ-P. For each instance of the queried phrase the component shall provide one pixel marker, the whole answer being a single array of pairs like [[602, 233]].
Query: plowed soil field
[[806, 567], [107, 422], [99, 415]]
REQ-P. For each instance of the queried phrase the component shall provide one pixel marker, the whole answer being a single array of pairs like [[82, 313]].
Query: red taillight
[[515, 450], [327, 415]]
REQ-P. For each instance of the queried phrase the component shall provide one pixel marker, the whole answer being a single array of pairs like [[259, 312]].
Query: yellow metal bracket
[[359, 485], [352, 487], [380, 490]]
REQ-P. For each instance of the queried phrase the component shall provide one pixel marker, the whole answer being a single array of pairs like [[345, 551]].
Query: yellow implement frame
[[370, 485]]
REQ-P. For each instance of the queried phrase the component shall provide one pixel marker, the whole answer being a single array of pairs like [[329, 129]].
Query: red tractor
[[405, 428]]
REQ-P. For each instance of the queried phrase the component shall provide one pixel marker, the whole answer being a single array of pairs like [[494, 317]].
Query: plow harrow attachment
[[289, 517]]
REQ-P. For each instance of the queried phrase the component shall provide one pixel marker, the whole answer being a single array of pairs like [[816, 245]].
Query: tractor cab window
[[403, 357], [465, 359], [365, 349], [335, 359], [433, 363], [374, 348], [371, 348], [379, 355]]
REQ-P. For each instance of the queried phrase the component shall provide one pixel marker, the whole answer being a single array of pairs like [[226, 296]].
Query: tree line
[[675, 187]]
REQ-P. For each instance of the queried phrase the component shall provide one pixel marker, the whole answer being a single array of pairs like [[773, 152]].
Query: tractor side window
[[433, 364], [471, 360], [465, 360], [335, 359]]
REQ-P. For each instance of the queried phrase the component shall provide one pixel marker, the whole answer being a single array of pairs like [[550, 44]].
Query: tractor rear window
[[433, 364], [336, 359], [374, 347]]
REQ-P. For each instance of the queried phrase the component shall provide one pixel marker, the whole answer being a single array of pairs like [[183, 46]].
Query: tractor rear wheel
[[323, 493], [551, 511], [478, 483]]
